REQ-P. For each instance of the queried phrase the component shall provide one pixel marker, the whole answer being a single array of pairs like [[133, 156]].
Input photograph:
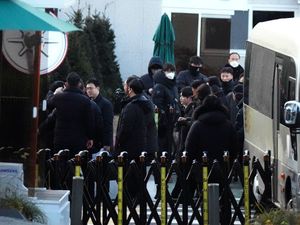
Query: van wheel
[[288, 193]]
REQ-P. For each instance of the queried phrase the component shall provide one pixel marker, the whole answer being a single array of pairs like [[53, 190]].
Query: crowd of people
[[161, 111]]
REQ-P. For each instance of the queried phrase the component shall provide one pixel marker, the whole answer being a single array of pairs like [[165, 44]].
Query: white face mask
[[234, 64], [170, 75]]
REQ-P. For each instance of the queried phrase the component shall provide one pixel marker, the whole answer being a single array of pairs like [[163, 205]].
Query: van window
[[259, 79], [287, 83]]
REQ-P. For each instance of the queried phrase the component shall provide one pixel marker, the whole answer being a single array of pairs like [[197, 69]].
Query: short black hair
[[226, 70], [203, 91], [135, 83], [56, 84], [214, 80], [94, 81], [196, 60], [196, 83], [186, 91], [73, 79], [169, 67]]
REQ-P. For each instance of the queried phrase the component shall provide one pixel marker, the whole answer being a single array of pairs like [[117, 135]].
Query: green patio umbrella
[[164, 39], [17, 15]]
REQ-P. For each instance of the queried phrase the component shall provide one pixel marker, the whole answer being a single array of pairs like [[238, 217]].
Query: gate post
[[76, 203], [143, 203], [184, 187], [213, 204], [163, 189], [205, 188], [120, 189], [77, 166], [246, 189]]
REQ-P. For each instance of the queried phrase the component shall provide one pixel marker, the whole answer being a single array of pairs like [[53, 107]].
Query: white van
[[271, 104]]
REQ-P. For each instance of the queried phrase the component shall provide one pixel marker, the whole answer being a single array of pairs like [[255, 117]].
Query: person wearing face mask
[[165, 97], [234, 63], [186, 77], [155, 65]]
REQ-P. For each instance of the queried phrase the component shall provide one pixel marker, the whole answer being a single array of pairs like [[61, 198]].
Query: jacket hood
[[155, 60], [160, 78], [210, 105], [213, 118]]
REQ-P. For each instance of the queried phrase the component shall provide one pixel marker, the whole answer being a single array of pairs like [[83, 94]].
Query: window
[[259, 79], [186, 33], [215, 43], [211, 31], [287, 83]]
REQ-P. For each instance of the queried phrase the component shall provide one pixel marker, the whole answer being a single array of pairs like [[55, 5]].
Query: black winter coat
[[108, 115], [132, 126], [98, 127], [184, 126], [228, 86], [147, 78], [211, 132], [186, 78], [74, 120]]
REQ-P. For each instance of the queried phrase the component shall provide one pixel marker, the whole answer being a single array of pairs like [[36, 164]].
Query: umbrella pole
[[35, 119]]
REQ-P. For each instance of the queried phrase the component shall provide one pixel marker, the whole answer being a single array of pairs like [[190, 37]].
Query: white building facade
[[209, 28]]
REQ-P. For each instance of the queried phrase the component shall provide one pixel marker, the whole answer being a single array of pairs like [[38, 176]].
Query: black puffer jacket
[[147, 78], [106, 108], [164, 92], [185, 78], [133, 123], [74, 120], [211, 132]]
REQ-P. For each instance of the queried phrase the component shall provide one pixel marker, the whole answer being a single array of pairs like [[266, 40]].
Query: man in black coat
[[155, 65], [186, 77], [184, 122], [93, 91], [227, 82], [213, 132], [136, 120], [74, 124], [165, 97]]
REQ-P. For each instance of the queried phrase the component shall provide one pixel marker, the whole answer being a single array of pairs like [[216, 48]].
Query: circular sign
[[18, 47]]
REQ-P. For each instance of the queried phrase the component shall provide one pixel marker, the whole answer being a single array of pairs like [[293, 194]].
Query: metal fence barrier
[[134, 203]]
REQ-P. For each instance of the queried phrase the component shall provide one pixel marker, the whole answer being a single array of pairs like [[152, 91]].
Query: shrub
[[25, 207], [277, 217]]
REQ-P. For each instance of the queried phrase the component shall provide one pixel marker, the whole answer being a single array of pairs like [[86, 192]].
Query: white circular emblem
[[18, 48]]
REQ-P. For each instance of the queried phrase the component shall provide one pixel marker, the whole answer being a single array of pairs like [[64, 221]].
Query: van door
[[276, 123]]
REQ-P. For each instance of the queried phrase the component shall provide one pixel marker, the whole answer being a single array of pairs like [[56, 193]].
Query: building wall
[[135, 22]]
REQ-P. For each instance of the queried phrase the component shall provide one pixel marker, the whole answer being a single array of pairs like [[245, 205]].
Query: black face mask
[[194, 70]]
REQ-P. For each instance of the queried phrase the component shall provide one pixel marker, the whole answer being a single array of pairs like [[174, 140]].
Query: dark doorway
[[186, 33]]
